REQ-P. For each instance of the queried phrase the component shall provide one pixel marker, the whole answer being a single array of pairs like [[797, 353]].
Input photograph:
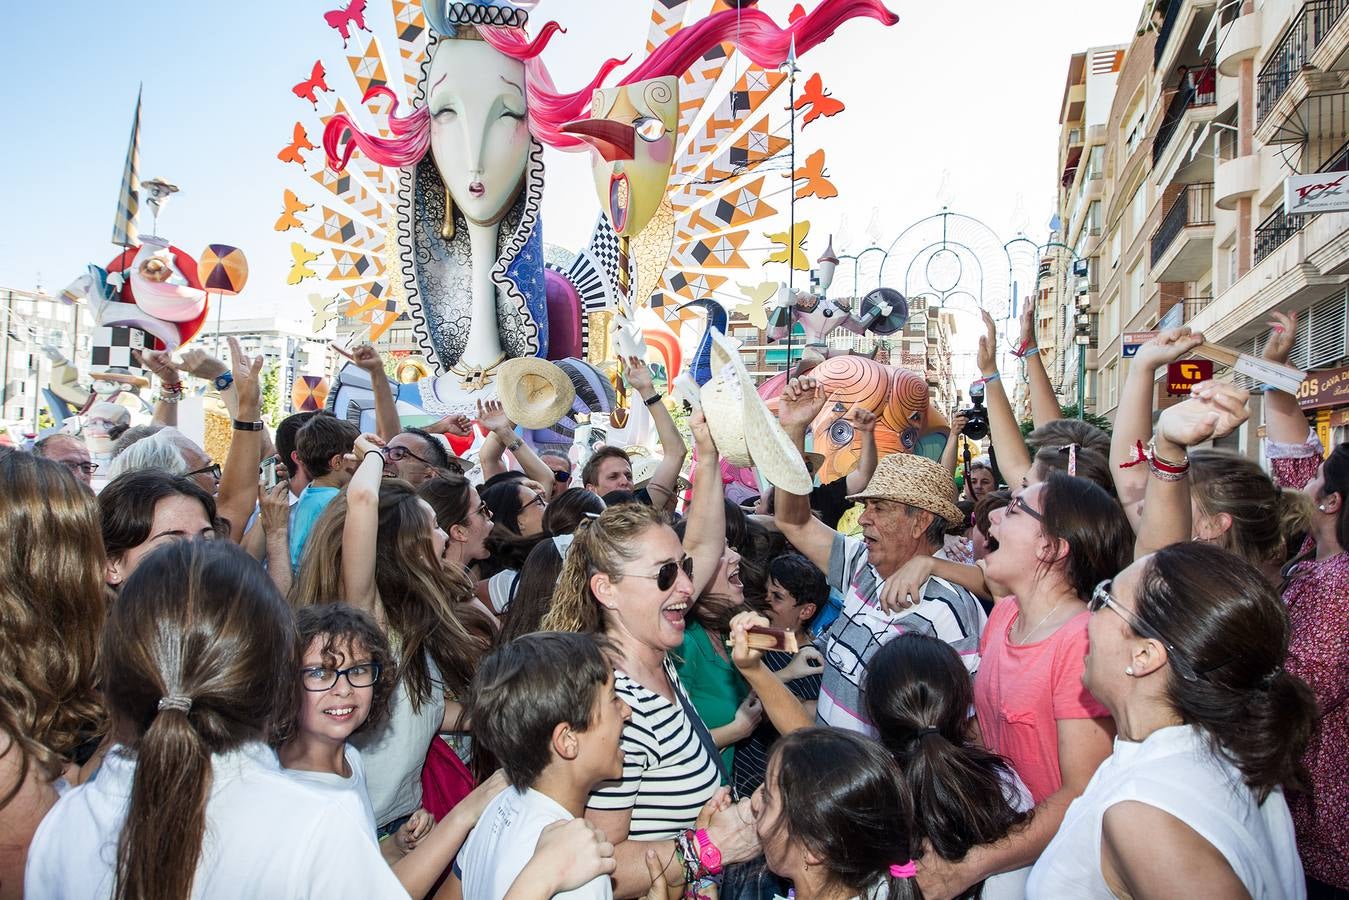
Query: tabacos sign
[[1183, 375], [1316, 193]]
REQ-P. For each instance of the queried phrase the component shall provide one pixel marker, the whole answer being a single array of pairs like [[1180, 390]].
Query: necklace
[[476, 378], [1026, 636]]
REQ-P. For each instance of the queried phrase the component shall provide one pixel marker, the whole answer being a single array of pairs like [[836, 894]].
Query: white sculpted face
[[479, 136]]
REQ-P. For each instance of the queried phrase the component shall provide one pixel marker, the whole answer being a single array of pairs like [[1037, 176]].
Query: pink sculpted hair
[[752, 31]]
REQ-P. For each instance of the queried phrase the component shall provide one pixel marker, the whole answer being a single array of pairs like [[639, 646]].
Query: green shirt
[[712, 682]]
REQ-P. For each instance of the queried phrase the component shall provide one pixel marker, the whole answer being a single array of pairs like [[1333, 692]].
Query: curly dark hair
[[341, 625]]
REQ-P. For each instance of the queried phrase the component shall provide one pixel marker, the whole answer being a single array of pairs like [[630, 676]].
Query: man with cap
[[910, 502]]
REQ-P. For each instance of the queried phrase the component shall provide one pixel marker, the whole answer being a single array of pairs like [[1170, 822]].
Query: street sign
[[1173, 317], [1183, 375], [1132, 340]]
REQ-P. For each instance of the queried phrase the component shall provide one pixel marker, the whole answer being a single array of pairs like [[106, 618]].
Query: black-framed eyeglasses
[[1101, 598], [1018, 503], [88, 468], [483, 510], [539, 501], [321, 678], [397, 454], [668, 573], [213, 470]]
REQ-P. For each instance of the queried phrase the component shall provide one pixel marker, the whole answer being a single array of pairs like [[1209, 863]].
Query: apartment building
[[1217, 105], [1070, 270], [30, 322]]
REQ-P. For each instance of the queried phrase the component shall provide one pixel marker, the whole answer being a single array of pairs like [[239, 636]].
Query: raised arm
[[494, 419], [662, 484], [274, 520], [864, 422], [368, 360], [200, 364], [705, 536], [1013, 457], [362, 526], [801, 401], [160, 362], [1044, 403], [1285, 423], [1214, 409], [238, 493], [950, 454], [784, 710], [1133, 418]]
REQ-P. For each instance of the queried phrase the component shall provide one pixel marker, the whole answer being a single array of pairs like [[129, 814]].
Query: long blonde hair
[[52, 605], [601, 545], [425, 604]]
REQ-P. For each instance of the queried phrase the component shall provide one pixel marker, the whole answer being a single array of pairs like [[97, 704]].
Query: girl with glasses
[[1187, 652], [628, 576], [378, 547]]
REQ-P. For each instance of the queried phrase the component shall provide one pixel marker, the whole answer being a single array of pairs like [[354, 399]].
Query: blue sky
[[958, 103]]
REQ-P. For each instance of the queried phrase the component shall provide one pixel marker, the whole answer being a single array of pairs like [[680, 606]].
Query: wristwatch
[[240, 425], [708, 854], [224, 380]]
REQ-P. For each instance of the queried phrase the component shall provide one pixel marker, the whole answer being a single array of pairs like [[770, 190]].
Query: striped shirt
[[667, 772], [947, 611]]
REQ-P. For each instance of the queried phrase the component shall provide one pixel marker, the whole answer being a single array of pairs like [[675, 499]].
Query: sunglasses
[[1101, 598], [213, 470], [561, 477], [1018, 504], [667, 574]]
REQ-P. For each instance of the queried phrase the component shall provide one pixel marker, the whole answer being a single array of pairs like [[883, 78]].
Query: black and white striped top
[[667, 772]]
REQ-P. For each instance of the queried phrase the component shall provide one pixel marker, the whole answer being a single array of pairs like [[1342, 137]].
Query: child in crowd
[[322, 445], [797, 591], [545, 705], [346, 678], [834, 816]]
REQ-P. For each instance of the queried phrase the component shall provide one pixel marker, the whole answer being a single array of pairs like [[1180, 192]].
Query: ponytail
[[918, 697], [1226, 677], [603, 545], [161, 842], [198, 658]]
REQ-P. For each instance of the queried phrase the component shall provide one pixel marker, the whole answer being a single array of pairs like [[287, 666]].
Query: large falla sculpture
[[467, 246]]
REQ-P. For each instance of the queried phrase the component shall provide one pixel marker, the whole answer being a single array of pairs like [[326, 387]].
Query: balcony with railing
[[1197, 90], [1305, 33], [1194, 306], [1275, 231], [1182, 246], [1167, 27]]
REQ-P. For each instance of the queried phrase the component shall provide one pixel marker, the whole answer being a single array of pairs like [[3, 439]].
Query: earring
[[447, 229], [1128, 670], [1321, 507]]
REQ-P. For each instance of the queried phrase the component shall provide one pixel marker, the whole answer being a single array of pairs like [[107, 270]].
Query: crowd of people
[[1079, 665]]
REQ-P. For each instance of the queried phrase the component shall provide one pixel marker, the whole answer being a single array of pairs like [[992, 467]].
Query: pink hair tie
[[908, 870]]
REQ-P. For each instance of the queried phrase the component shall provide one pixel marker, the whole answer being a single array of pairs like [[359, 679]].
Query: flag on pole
[[124, 232]]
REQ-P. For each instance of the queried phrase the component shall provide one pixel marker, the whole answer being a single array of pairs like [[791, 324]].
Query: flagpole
[[789, 67]]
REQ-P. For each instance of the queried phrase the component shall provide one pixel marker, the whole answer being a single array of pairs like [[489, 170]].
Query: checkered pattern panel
[[111, 348]]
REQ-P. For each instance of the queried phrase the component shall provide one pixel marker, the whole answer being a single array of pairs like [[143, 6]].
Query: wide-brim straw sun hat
[[745, 431], [535, 393], [916, 481]]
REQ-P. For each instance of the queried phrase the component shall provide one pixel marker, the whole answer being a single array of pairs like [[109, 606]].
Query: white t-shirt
[[396, 753], [350, 792], [1175, 771], [266, 837], [503, 841], [499, 589]]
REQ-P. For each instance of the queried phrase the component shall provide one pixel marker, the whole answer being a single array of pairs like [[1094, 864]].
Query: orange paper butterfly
[[814, 176], [299, 141], [820, 101], [289, 218]]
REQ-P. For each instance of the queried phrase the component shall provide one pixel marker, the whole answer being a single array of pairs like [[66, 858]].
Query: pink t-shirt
[[1022, 690]]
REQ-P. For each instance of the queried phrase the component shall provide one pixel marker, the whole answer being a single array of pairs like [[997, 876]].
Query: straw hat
[[914, 480], [745, 431], [644, 469], [534, 392]]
